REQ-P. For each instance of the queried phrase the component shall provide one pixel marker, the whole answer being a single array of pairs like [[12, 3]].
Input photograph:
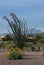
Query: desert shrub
[[28, 44], [41, 40], [37, 49], [10, 45], [13, 54], [2, 45], [24, 48]]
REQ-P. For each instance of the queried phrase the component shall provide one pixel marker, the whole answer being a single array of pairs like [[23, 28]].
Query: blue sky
[[31, 10]]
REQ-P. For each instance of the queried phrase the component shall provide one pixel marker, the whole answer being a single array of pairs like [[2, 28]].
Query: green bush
[[37, 49], [28, 44], [13, 54], [2, 45]]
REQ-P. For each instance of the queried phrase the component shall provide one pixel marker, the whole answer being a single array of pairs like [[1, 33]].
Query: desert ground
[[31, 58]]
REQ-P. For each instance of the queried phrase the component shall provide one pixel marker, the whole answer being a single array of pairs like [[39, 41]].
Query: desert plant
[[19, 30], [37, 49], [13, 54], [8, 38], [10, 45]]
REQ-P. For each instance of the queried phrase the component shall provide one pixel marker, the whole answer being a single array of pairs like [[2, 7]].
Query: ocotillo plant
[[18, 28]]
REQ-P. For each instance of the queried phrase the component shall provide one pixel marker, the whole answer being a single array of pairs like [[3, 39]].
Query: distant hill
[[41, 34], [3, 34], [31, 31], [34, 31]]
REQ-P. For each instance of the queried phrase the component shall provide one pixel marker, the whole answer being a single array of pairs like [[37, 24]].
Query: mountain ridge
[[34, 31]]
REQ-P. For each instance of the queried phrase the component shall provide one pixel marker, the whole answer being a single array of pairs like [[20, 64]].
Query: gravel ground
[[31, 58]]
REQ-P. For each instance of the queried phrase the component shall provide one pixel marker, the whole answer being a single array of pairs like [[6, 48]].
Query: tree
[[18, 28]]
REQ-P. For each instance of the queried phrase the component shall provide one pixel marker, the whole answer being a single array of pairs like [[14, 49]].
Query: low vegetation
[[14, 53], [18, 42]]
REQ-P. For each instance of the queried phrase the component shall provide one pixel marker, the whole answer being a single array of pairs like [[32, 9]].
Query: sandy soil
[[31, 58]]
